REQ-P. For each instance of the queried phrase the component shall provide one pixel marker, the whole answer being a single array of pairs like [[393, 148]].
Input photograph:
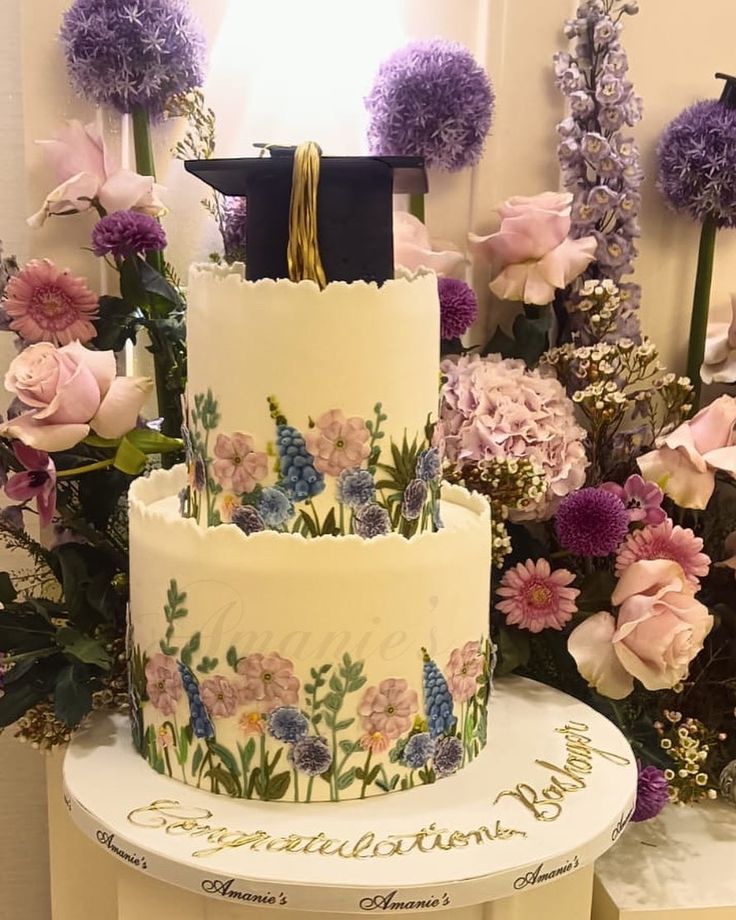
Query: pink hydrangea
[[220, 696], [535, 597], [338, 443], [463, 670], [163, 683], [237, 466], [665, 541], [388, 709], [268, 681], [499, 409]]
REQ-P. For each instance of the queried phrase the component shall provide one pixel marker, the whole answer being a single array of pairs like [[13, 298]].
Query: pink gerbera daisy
[[46, 304], [665, 541], [537, 598]]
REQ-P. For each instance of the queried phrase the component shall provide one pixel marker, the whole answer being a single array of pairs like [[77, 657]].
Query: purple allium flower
[[428, 464], [126, 233], [311, 755], [200, 473], [652, 793], [417, 751], [697, 162], [233, 229], [591, 522], [431, 99], [248, 519], [287, 724], [415, 495], [458, 307], [133, 53], [448, 755], [355, 488], [372, 521], [275, 507]]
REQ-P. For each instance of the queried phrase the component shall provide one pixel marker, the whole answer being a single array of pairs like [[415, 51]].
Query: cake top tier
[[315, 217]]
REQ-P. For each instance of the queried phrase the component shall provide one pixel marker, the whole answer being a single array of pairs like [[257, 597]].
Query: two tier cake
[[309, 609]]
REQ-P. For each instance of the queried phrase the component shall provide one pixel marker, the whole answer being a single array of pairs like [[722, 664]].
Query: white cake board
[[106, 780]]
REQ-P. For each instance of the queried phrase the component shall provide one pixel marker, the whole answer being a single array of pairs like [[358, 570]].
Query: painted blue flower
[[198, 716], [448, 755], [372, 521], [275, 507], [287, 724], [311, 755], [415, 495], [437, 699], [428, 464], [247, 519], [418, 750], [355, 488]]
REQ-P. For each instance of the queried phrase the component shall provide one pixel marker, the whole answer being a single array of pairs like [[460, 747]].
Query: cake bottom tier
[[274, 667]]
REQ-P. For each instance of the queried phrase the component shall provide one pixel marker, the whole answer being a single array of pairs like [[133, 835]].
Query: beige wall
[[674, 48]]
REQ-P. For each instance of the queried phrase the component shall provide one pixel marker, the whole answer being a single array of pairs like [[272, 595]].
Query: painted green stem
[[701, 305]]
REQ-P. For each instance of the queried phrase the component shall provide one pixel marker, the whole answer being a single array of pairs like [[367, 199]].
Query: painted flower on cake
[[237, 466], [287, 724], [219, 695], [338, 443], [535, 597], [686, 461], [642, 499], [164, 736], [268, 680], [417, 751], [375, 742], [448, 756], [311, 755], [38, 481], [163, 683], [463, 670], [46, 304], [388, 708], [86, 170], [665, 541], [252, 723], [660, 628], [71, 390]]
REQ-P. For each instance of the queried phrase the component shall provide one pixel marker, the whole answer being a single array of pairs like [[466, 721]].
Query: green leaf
[[148, 441], [329, 525], [225, 756], [153, 282], [23, 632], [221, 776], [197, 760], [530, 336], [595, 592], [118, 321], [513, 650], [232, 656], [7, 590], [20, 697], [182, 747], [94, 440], [333, 701], [276, 787], [347, 779], [345, 723], [247, 753], [308, 523], [348, 747], [357, 683], [336, 684], [72, 695], [83, 648], [128, 458], [131, 286]]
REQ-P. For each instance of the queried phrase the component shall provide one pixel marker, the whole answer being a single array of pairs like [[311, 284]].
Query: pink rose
[[685, 464], [268, 680], [237, 466], [532, 253], [85, 170], [71, 390], [388, 709], [659, 630], [338, 443], [163, 683], [463, 669], [413, 248]]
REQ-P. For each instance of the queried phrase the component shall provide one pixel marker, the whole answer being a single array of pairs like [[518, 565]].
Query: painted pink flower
[[237, 466], [375, 742], [535, 597], [163, 683], [462, 671], [71, 390], [220, 696], [164, 736], [388, 708], [665, 541], [337, 443], [268, 680], [532, 253], [660, 628], [39, 482], [413, 248], [46, 304], [685, 463], [85, 169], [252, 723], [642, 499]]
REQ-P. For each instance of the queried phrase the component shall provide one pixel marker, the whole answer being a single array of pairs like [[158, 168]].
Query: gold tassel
[[302, 253]]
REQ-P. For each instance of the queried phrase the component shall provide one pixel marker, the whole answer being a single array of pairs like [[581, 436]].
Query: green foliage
[[531, 331], [174, 610]]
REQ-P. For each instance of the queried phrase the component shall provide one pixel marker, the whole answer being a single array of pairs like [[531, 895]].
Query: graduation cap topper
[[309, 216]]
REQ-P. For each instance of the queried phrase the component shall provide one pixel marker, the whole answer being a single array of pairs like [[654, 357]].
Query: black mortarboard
[[354, 209], [728, 96]]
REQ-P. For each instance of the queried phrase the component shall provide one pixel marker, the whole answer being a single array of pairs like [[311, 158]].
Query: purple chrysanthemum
[[233, 229], [311, 755], [126, 233], [287, 724], [591, 522], [697, 162], [448, 755], [248, 519], [415, 495], [458, 307], [371, 521], [652, 793], [130, 53], [431, 99]]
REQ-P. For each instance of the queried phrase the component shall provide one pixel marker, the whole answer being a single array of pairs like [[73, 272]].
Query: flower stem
[[90, 468], [145, 164], [701, 305], [366, 772]]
